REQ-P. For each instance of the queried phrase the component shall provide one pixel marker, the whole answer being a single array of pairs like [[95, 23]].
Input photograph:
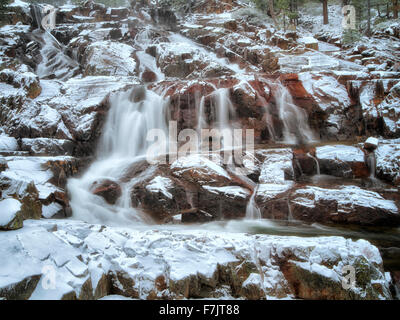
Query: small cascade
[[123, 143], [55, 61], [146, 61], [294, 119], [222, 115], [290, 214], [253, 212], [316, 162], [371, 164]]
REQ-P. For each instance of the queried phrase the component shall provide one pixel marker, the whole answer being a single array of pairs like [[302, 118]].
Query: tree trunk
[[369, 18], [272, 12], [395, 9], [325, 6]]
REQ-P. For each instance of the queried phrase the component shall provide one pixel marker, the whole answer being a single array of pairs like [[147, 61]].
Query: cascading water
[[316, 163], [132, 114], [55, 62], [371, 163], [294, 119], [253, 212], [223, 116], [146, 61]]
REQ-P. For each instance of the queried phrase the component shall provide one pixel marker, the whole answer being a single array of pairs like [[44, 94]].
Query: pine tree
[[3, 4]]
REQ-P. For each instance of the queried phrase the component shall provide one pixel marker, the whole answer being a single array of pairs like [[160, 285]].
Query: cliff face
[[76, 105]]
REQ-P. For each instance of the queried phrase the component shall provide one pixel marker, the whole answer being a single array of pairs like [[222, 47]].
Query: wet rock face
[[109, 190]]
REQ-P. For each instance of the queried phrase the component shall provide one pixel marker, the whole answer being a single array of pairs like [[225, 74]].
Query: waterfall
[[253, 212], [222, 114], [123, 143], [290, 214], [371, 164], [294, 119], [55, 62], [316, 162]]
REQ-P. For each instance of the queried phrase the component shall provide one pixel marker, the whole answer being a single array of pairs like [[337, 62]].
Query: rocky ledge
[[58, 259]]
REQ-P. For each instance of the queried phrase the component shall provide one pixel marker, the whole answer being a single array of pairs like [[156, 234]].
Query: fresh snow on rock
[[83, 256], [8, 210]]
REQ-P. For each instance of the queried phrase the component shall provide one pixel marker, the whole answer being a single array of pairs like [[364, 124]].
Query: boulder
[[107, 58], [11, 217], [388, 161], [346, 205], [342, 161], [371, 143], [109, 190]]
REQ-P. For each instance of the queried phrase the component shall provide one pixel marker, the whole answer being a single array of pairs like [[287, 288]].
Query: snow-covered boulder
[[192, 185], [342, 161], [277, 165], [388, 161], [11, 217], [107, 58], [71, 259], [348, 204], [371, 143]]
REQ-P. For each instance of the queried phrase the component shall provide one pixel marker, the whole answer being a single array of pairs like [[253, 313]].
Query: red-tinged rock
[[109, 190], [346, 205], [149, 76]]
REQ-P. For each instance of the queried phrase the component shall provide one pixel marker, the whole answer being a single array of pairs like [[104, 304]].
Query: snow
[[160, 184], [8, 144], [198, 163], [388, 159], [307, 40], [276, 162], [8, 210], [78, 252], [110, 58], [50, 210], [347, 197], [268, 191], [326, 90], [340, 152], [229, 191], [372, 141]]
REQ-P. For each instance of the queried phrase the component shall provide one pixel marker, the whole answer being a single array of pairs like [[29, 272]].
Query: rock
[[342, 161], [193, 186], [149, 76], [47, 147], [11, 217], [23, 79], [21, 289], [277, 165], [106, 58], [309, 42], [346, 205], [388, 161], [204, 264], [273, 200], [107, 189], [8, 144], [371, 143]]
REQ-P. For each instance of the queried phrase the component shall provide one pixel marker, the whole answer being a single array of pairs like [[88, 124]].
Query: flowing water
[[131, 116], [55, 61], [295, 120], [253, 212], [316, 163]]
